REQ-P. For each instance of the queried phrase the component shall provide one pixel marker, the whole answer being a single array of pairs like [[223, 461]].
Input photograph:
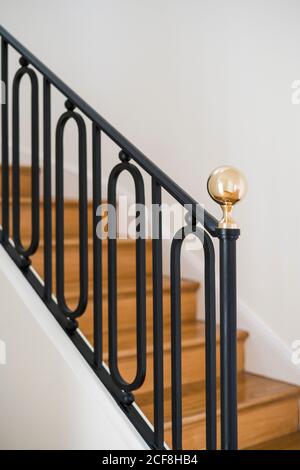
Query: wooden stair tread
[[73, 241], [126, 257], [127, 287], [193, 334], [253, 390], [71, 216], [286, 442], [126, 300], [25, 180], [193, 350], [68, 202]]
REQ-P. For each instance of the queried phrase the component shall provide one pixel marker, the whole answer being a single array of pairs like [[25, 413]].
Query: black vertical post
[[158, 339], [47, 191], [228, 327], [97, 248], [176, 343], [210, 344], [5, 163]]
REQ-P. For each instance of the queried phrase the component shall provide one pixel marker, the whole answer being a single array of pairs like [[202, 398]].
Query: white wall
[[50, 398], [196, 84]]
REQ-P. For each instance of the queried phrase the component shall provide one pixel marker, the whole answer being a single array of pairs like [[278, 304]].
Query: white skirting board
[[266, 353]]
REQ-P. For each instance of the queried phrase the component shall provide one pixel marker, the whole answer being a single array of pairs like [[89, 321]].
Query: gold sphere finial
[[227, 186]]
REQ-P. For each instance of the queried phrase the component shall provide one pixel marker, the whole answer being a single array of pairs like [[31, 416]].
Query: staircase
[[185, 358], [268, 410]]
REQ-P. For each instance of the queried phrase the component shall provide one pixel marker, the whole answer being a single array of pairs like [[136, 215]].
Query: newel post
[[227, 186]]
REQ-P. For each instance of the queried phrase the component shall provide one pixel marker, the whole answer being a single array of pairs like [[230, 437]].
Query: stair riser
[[256, 424], [125, 254], [193, 366], [127, 312]]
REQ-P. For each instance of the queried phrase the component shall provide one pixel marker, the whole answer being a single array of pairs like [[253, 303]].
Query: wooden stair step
[[286, 442], [125, 259], [127, 303], [267, 409], [25, 181], [71, 218], [193, 354]]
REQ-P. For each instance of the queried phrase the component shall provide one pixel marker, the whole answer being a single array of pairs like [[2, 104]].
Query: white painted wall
[[50, 398], [196, 84]]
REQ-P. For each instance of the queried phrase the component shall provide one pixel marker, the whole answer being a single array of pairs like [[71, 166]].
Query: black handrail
[[209, 222], [67, 318]]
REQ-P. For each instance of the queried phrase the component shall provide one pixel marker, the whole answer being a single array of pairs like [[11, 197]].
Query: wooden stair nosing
[[192, 336], [74, 242], [128, 288], [283, 391]]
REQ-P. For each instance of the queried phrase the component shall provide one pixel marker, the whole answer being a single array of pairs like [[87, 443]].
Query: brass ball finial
[[227, 186]]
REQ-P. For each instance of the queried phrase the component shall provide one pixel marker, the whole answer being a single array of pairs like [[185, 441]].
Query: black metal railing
[[200, 223]]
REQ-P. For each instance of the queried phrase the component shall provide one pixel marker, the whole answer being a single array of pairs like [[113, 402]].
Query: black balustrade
[[203, 226]]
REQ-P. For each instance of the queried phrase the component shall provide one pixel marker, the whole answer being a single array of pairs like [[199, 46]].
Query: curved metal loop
[[140, 280], [35, 189], [83, 221], [210, 335]]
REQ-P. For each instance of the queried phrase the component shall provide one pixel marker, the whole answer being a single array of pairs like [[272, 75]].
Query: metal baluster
[[210, 345], [83, 237], [97, 248], [176, 353], [35, 198], [158, 335], [140, 282], [5, 162], [47, 191], [210, 335]]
